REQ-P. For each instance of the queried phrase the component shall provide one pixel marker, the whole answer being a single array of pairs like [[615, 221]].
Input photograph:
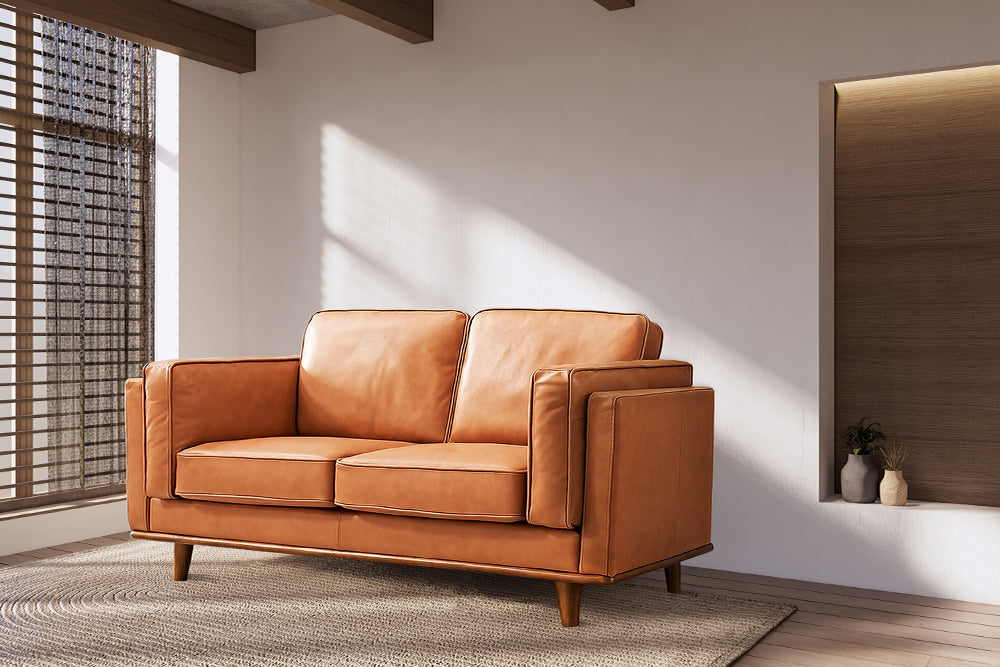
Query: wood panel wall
[[917, 274]]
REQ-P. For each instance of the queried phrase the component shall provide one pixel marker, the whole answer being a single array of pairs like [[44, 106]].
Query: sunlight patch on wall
[[167, 201], [395, 238]]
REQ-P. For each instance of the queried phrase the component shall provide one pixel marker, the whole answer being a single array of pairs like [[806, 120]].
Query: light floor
[[834, 626], [837, 626]]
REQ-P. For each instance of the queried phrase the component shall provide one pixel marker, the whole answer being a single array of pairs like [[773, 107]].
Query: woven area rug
[[118, 606]]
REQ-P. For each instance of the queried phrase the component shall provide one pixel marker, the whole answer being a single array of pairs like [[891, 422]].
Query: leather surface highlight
[[504, 348], [549, 440], [469, 481], [654, 342], [514, 545], [190, 402], [558, 444], [511, 544], [299, 526], [388, 375], [649, 477], [289, 471], [135, 456]]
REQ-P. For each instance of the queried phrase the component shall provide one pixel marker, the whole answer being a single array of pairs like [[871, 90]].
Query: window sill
[[915, 506], [61, 507]]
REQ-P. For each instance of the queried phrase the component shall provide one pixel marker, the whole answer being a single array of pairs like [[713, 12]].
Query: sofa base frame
[[569, 585]]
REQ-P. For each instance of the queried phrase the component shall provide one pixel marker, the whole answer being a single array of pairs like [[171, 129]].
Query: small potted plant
[[893, 488], [859, 477]]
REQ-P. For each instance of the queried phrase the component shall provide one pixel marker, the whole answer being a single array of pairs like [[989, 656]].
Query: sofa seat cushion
[[289, 471], [474, 481]]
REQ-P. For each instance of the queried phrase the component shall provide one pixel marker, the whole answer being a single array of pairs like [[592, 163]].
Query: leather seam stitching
[[531, 443], [569, 447], [632, 364], [298, 371], [410, 509], [244, 360], [145, 458], [645, 338], [340, 523], [187, 494], [458, 377], [611, 482], [682, 441], [172, 461], [187, 454], [416, 469]]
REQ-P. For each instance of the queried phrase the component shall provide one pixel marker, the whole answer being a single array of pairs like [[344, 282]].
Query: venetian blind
[[76, 152]]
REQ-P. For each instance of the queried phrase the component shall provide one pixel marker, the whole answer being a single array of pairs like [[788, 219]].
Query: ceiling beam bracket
[[410, 20], [162, 24], [616, 4]]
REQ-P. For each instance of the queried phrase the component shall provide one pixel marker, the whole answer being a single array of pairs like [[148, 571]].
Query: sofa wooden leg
[[569, 595], [182, 560], [673, 573]]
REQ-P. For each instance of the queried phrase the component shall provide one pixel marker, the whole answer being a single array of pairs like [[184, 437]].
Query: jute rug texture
[[118, 606]]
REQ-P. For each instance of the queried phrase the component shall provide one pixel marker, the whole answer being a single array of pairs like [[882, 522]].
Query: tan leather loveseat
[[535, 443]]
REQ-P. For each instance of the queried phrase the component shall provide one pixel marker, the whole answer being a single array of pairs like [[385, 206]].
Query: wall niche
[[917, 274]]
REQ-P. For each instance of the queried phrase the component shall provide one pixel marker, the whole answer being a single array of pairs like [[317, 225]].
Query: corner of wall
[[827, 117], [166, 217], [209, 255]]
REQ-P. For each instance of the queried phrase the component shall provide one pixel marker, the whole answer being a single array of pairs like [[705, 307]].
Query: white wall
[[663, 158], [209, 251], [85, 520], [166, 263]]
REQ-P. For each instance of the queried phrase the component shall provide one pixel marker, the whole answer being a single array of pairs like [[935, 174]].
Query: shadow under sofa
[[537, 443]]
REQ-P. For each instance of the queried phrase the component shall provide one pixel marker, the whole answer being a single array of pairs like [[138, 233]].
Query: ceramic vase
[[893, 488], [859, 479]]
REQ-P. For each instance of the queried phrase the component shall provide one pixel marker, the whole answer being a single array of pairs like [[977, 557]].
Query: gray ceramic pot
[[859, 479]]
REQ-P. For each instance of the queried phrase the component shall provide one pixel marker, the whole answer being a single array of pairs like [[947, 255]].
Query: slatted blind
[[917, 274], [76, 151]]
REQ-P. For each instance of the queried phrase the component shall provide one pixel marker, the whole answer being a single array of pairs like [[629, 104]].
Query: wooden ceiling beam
[[616, 4], [161, 24], [410, 20]]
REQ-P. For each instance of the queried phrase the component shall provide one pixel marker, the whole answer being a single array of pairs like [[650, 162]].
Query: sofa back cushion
[[383, 374], [504, 348]]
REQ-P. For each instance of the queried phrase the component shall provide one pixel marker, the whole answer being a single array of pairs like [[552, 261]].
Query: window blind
[[76, 156]]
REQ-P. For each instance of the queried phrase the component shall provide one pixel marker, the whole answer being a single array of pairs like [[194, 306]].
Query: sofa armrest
[[135, 462], [649, 477], [191, 401], [557, 436]]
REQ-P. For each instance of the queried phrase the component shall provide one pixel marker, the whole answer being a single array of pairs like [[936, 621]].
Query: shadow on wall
[[645, 174], [660, 159], [393, 238], [757, 514], [922, 549]]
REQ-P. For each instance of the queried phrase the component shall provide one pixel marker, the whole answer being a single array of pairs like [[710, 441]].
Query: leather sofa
[[537, 443]]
